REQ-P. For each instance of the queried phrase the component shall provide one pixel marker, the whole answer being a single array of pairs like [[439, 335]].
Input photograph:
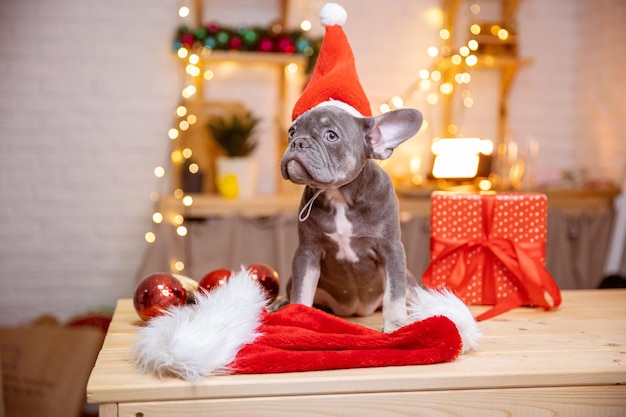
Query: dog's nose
[[299, 143]]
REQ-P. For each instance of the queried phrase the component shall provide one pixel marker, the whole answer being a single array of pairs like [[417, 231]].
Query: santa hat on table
[[228, 331]]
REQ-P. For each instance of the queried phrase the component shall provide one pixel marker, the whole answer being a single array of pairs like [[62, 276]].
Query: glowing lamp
[[461, 158]]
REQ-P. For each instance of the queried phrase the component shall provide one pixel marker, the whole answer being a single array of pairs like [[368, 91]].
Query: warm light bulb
[[435, 75], [178, 193], [157, 217], [179, 266], [194, 59], [432, 99], [187, 200], [159, 172], [464, 51], [473, 44], [181, 111], [468, 102], [444, 34], [456, 59], [292, 68], [475, 8], [183, 11], [150, 237], [446, 88], [397, 102], [306, 25], [471, 60], [484, 185], [475, 29], [176, 156], [192, 70], [433, 51], [425, 85], [183, 125], [503, 34], [178, 219], [172, 133], [194, 168], [187, 153], [192, 119], [189, 91], [208, 75], [181, 231], [385, 108], [182, 52], [424, 74]]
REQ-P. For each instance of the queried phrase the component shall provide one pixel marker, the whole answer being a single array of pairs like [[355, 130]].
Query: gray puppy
[[350, 259]]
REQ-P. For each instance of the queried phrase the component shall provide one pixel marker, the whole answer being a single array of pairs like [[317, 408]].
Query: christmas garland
[[217, 37]]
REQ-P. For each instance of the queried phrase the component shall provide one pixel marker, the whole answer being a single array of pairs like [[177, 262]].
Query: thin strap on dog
[[308, 206]]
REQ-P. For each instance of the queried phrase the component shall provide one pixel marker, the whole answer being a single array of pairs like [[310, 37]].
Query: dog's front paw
[[393, 325], [395, 315]]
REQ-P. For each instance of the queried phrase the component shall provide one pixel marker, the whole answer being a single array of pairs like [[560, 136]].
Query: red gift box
[[490, 249]]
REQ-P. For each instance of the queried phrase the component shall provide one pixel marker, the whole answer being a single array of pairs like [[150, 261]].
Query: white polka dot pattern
[[457, 218]]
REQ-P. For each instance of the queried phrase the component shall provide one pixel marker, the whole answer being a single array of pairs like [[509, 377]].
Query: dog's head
[[328, 146]]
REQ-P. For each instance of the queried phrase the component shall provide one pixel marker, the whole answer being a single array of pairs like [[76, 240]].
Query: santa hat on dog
[[229, 331], [334, 79]]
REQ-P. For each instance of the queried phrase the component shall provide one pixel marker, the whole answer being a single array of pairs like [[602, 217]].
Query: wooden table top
[[581, 343]]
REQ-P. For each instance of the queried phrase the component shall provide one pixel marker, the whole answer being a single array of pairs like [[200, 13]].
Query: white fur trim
[[333, 14], [342, 105], [424, 303], [201, 339]]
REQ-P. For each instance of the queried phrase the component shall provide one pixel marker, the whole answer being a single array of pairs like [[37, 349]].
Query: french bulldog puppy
[[350, 259]]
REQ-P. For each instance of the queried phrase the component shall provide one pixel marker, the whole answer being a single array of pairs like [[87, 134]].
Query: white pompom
[[333, 14], [425, 303]]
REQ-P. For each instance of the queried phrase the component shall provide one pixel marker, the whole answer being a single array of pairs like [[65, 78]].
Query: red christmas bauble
[[156, 293], [267, 277], [214, 279]]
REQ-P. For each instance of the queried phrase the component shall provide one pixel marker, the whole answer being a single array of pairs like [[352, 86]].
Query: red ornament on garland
[[214, 279], [265, 44], [267, 277], [156, 293]]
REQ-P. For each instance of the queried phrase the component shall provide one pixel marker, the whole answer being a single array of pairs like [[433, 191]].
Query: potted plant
[[237, 170]]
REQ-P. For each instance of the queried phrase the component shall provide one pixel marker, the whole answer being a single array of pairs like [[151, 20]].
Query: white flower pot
[[237, 177]]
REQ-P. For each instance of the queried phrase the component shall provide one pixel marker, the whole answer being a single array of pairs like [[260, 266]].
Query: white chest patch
[[343, 232]]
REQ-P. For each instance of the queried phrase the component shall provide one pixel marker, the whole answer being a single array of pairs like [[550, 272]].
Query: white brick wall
[[86, 96], [87, 91]]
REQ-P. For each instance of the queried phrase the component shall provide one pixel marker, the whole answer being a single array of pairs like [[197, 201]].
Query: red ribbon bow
[[535, 286]]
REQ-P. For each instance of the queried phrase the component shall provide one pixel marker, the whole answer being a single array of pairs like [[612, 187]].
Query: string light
[[306, 25], [150, 237], [187, 200], [183, 11]]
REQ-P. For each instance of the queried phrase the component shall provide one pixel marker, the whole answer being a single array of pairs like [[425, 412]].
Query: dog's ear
[[385, 132]]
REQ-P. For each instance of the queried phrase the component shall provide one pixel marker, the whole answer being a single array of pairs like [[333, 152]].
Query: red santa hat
[[335, 79], [228, 331]]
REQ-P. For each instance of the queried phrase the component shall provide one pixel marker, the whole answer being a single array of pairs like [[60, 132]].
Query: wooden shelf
[[273, 58]]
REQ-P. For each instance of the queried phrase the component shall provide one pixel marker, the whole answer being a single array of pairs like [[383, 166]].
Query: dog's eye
[[291, 132], [330, 136]]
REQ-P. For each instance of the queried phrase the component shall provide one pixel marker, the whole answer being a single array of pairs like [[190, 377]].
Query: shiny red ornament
[[156, 293], [267, 277], [265, 44], [214, 279], [235, 43], [188, 39]]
